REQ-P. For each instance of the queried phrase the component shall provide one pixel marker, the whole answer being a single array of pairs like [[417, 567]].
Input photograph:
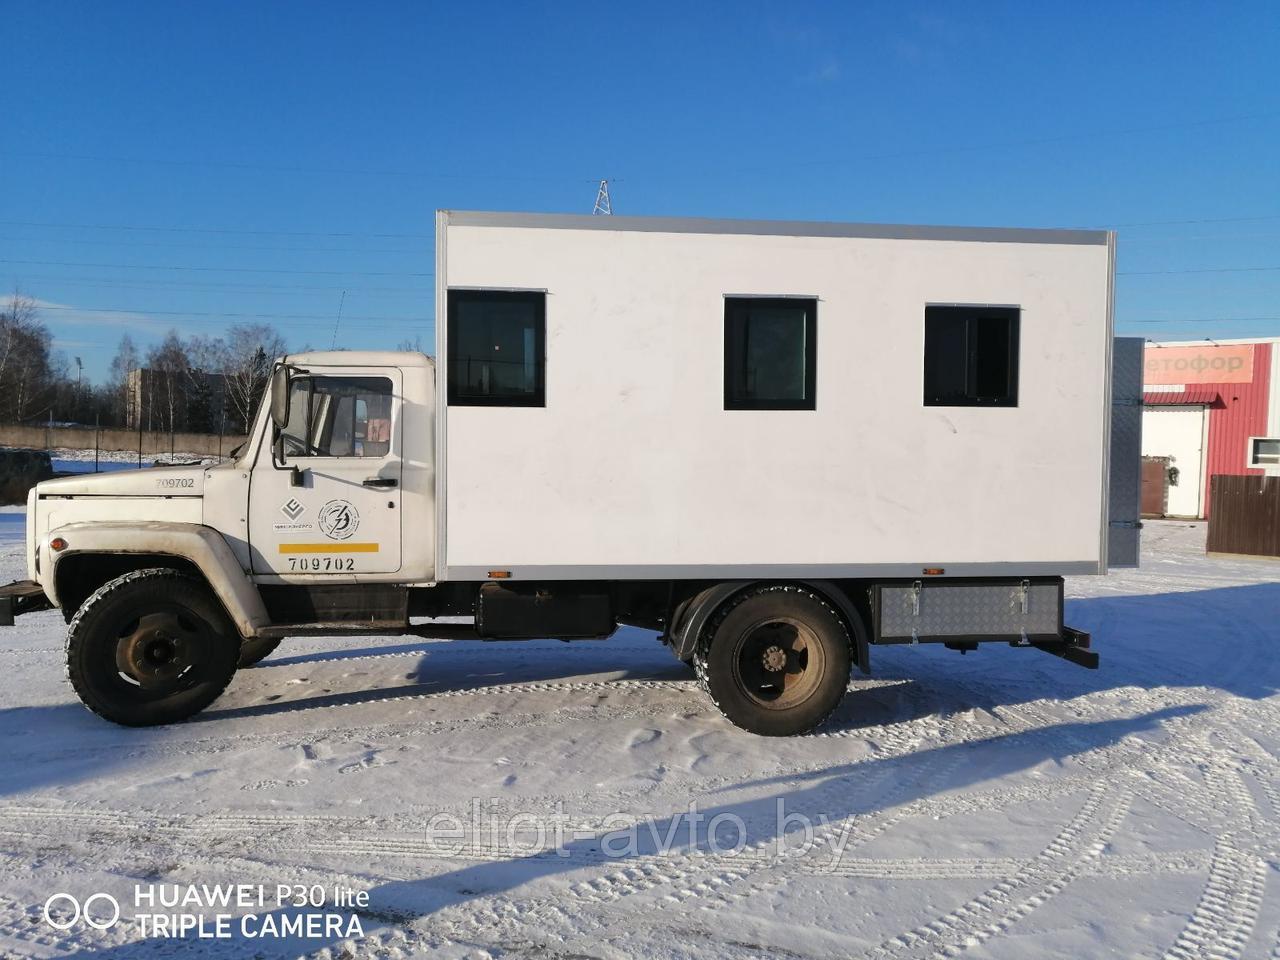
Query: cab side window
[[339, 417]]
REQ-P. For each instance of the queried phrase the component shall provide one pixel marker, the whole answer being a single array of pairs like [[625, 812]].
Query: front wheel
[[253, 652], [150, 647], [775, 660]]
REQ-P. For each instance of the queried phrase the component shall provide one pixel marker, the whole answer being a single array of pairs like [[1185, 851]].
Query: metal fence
[[1246, 516]]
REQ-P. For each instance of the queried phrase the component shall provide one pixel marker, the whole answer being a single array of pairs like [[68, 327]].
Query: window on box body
[[971, 356], [770, 351], [496, 348]]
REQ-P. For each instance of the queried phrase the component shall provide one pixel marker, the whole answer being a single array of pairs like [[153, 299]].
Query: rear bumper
[[19, 597]]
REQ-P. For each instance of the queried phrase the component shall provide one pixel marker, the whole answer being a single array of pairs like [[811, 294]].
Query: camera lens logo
[[94, 911], [338, 519]]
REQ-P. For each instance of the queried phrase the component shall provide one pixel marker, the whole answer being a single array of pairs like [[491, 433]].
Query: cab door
[[325, 501]]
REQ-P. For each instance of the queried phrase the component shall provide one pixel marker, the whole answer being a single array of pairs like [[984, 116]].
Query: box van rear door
[[1125, 483]]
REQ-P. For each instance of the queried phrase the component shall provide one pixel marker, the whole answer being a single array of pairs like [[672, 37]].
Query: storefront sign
[[1198, 364]]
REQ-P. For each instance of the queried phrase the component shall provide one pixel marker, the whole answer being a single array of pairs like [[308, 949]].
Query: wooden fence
[[1246, 516]]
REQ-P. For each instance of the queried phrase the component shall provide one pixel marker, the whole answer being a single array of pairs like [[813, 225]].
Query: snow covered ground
[[1003, 804], [69, 460]]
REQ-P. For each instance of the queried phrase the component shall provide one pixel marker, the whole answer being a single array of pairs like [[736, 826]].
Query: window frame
[[537, 297], [970, 312], [739, 301], [1253, 462]]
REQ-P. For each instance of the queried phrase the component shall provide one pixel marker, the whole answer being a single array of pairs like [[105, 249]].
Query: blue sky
[[195, 165]]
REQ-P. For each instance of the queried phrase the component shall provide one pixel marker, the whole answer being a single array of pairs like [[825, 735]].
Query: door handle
[[380, 482]]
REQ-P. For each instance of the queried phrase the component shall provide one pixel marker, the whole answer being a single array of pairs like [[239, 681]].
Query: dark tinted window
[[496, 343], [971, 356], [770, 347]]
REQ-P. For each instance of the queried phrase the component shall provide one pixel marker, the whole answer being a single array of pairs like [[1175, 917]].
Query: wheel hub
[[157, 651], [774, 664], [774, 658]]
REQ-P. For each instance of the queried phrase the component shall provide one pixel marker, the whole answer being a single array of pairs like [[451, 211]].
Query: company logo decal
[[338, 519], [293, 509]]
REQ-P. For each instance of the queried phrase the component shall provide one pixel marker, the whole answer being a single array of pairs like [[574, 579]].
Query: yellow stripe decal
[[328, 548]]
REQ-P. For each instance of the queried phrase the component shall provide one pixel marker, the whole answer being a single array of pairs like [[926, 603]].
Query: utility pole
[[603, 205]]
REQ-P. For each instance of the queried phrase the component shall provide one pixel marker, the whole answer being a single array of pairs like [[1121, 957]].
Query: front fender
[[201, 546]]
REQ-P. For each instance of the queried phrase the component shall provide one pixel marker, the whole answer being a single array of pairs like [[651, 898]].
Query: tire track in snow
[[1224, 918], [992, 912]]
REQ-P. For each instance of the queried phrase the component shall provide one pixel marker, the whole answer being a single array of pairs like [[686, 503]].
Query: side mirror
[[280, 396]]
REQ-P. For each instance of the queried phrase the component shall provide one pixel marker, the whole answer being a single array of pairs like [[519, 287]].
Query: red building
[[1209, 407]]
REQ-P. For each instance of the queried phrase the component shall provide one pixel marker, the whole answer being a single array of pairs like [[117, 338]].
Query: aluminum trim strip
[[775, 228], [781, 571]]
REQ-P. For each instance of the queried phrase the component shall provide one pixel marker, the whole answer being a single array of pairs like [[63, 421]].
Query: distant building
[[202, 399], [1210, 408]]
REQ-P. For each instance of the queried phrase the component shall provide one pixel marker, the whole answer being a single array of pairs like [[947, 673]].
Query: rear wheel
[[150, 647], [775, 660]]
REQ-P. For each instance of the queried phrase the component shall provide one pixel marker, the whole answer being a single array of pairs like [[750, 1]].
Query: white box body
[[634, 469]]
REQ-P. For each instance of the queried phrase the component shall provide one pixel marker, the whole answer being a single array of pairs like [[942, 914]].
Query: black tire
[[253, 652], [150, 647], [775, 660]]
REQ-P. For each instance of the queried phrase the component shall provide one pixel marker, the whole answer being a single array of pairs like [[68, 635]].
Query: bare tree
[[250, 350], [168, 365], [26, 375], [412, 346], [205, 385], [125, 361]]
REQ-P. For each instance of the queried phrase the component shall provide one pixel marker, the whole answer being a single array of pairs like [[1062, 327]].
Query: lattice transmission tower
[[602, 199]]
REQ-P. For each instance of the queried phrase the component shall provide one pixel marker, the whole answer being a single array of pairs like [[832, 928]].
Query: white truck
[[776, 444]]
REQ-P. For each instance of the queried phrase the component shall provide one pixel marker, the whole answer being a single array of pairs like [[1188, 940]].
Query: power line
[[144, 266], [1178, 223], [204, 313], [1156, 273], [214, 230], [228, 231], [170, 245], [1128, 241], [213, 285], [283, 168], [1203, 320]]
